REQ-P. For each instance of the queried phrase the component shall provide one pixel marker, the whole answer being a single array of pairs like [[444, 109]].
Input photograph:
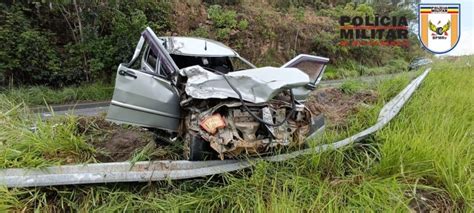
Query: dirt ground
[[430, 201], [114, 142], [336, 105]]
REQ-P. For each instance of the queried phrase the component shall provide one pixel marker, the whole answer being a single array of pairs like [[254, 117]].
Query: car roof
[[193, 46]]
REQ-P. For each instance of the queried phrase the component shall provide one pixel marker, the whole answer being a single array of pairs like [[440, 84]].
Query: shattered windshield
[[239, 64], [224, 64]]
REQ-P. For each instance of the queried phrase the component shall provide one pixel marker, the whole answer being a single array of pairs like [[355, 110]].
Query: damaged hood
[[256, 85]]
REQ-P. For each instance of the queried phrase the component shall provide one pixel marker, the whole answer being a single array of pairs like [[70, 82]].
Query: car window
[[155, 63], [238, 64], [138, 63], [151, 59], [312, 68]]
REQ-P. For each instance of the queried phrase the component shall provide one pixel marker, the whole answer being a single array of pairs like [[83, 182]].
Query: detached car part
[[221, 105]]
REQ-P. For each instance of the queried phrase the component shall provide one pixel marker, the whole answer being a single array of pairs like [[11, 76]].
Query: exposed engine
[[249, 112], [231, 130]]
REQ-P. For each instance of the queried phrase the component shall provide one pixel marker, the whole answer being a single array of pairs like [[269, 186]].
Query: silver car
[[202, 93]]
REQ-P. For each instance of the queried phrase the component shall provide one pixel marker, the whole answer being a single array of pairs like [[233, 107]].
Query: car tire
[[199, 149]]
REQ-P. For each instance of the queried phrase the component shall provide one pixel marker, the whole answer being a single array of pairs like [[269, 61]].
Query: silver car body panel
[[190, 46], [145, 97], [256, 85]]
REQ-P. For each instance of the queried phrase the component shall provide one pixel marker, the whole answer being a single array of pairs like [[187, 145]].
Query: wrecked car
[[419, 62], [201, 92]]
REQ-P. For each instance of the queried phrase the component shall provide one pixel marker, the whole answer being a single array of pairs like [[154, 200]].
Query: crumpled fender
[[256, 85]]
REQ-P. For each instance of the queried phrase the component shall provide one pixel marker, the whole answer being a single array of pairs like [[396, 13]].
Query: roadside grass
[[422, 161], [41, 95], [351, 69], [432, 141], [27, 141], [352, 86]]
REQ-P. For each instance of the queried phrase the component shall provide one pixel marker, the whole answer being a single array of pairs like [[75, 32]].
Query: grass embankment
[[41, 95], [423, 160]]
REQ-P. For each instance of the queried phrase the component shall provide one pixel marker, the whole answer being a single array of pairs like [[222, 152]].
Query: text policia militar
[[373, 31]]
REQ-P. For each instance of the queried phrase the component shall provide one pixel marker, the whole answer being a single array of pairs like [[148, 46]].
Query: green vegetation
[[62, 43], [68, 43], [225, 21], [352, 69], [41, 95], [48, 143], [422, 161], [351, 86]]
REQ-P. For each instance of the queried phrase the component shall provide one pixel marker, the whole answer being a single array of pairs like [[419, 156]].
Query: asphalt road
[[92, 111], [83, 109], [97, 108]]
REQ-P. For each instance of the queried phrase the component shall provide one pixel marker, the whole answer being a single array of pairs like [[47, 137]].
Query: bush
[[287, 4], [41, 43], [27, 55], [225, 22], [330, 73], [200, 32], [222, 18]]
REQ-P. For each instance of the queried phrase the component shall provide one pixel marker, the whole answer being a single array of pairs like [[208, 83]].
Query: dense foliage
[[61, 42], [67, 42]]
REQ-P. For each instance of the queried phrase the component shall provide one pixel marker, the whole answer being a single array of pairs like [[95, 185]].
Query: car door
[[313, 66], [144, 94]]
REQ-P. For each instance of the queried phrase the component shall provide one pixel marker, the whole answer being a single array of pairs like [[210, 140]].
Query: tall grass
[[28, 141], [432, 141], [422, 161], [40, 95]]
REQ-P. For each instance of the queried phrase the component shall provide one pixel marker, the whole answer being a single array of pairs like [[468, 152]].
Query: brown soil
[[113, 142], [338, 106], [430, 201]]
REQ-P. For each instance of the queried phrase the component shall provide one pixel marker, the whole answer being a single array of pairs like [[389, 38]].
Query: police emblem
[[439, 26]]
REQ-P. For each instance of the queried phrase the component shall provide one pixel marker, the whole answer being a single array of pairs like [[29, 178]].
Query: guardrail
[[164, 170]]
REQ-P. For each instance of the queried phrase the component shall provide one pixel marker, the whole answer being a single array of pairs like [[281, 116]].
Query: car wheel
[[197, 149], [304, 145]]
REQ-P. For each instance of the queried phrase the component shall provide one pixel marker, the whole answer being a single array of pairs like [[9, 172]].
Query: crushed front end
[[231, 130], [257, 119]]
